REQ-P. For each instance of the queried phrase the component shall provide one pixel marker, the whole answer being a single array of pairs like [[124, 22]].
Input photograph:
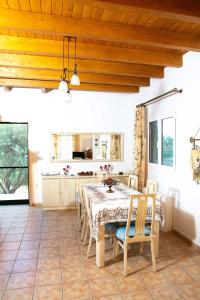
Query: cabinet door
[[51, 192], [67, 189]]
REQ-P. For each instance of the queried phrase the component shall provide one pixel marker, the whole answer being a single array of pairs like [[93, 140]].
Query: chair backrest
[[99, 176], [139, 203], [151, 187], [133, 182], [87, 207]]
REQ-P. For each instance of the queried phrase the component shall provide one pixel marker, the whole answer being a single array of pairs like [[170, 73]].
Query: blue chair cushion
[[121, 231], [110, 227]]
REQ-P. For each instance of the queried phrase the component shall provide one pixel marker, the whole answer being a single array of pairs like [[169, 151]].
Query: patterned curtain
[[76, 142], [115, 149], [140, 161]]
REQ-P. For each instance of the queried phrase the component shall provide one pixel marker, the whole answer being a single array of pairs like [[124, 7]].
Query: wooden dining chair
[[99, 176], [138, 232], [133, 182], [151, 187], [109, 228]]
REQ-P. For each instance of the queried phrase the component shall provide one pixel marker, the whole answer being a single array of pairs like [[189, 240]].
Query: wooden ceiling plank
[[22, 73], [54, 85], [77, 11], [107, 15], [59, 25], [46, 6], [24, 5], [84, 65], [57, 7], [97, 13], [35, 6], [182, 10], [4, 4], [68, 8], [89, 51], [13, 4], [87, 12]]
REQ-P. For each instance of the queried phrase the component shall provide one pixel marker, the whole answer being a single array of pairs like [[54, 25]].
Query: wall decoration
[[196, 157]]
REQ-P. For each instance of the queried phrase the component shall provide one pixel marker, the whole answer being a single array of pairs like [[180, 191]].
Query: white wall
[[186, 107], [46, 113]]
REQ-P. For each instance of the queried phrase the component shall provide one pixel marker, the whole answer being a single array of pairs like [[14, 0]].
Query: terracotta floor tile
[[1, 295], [49, 252], [193, 270], [94, 272], [77, 291], [6, 266], [13, 237], [26, 265], [176, 275], [48, 263], [16, 230], [50, 235], [152, 280], [71, 261], [32, 229], [73, 274], [31, 236], [49, 243], [133, 283], [3, 281], [112, 297], [190, 291], [19, 294], [143, 295], [25, 245], [9, 246], [27, 254], [48, 277], [53, 292], [68, 250], [21, 280], [166, 293], [104, 287]]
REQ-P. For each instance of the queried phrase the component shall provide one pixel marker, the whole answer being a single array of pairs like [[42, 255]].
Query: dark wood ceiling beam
[[21, 45], [4, 82], [87, 66], [92, 29], [178, 10], [52, 75]]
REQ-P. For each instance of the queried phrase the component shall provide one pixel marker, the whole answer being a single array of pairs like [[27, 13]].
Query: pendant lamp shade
[[75, 80], [63, 86]]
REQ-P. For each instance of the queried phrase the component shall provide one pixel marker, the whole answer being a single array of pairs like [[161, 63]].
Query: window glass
[[168, 141], [153, 142]]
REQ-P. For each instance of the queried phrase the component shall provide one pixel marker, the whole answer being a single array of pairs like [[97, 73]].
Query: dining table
[[113, 207]]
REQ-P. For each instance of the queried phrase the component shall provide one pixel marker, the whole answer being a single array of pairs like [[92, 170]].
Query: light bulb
[[63, 87], [68, 96], [75, 80]]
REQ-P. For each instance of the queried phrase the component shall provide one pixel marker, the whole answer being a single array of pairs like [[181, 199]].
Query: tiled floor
[[42, 257]]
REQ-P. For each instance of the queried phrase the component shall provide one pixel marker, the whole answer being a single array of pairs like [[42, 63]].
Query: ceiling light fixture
[[63, 86], [68, 94], [75, 80]]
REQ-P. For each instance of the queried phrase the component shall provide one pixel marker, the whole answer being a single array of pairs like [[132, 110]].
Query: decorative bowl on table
[[110, 183]]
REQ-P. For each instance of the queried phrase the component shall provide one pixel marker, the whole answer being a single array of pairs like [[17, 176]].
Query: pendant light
[[75, 80], [63, 86], [68, 94]]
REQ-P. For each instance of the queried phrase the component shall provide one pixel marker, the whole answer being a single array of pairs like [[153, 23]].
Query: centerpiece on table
[[110, 183]]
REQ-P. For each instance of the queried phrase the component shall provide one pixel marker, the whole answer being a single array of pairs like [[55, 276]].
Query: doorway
[[14, 172]]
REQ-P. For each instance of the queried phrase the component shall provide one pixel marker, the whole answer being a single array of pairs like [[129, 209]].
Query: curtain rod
[[167, 94]]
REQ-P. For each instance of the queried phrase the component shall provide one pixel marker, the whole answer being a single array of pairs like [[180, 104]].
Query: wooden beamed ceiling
[[121, 44]]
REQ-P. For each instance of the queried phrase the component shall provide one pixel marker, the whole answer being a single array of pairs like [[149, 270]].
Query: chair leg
[[89, 246], [83, 229], [141, 248], [80, 223], [153, 254], [86, 234], [125, 259], [116, 248]]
